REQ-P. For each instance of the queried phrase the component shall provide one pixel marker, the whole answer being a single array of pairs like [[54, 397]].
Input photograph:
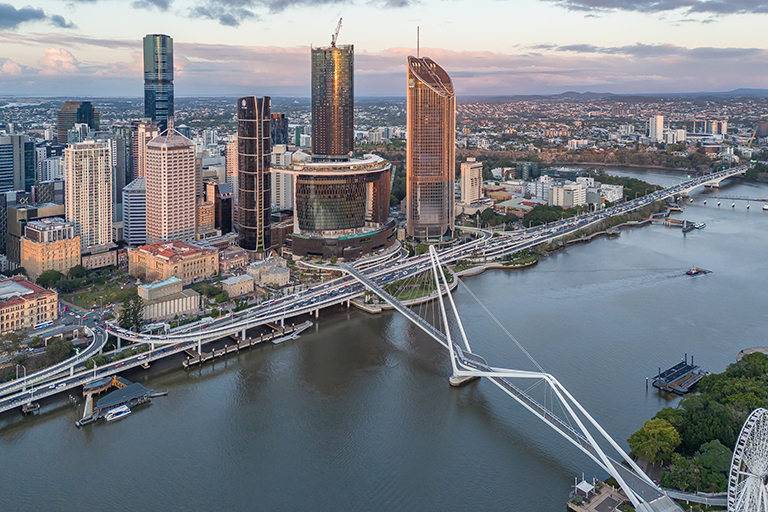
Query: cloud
[[650, 6], [230, 13], [163, 5], [58, 61], [9, 67], [11, 18], [58, 21]]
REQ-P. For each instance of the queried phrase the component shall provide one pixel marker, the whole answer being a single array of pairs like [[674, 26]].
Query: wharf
[[680, 378], [275, 337]]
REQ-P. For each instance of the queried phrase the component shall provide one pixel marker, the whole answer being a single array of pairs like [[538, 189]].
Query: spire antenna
[[417, 41]]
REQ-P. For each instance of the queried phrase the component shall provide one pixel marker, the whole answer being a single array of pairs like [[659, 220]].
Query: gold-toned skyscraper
[[431, 150]]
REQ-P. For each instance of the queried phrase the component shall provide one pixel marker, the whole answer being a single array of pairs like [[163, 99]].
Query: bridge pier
[[199, 346], [119, 339], [347, 303], [282, 322], [458, 382], [242, 335], [71, 371], [317, 313]]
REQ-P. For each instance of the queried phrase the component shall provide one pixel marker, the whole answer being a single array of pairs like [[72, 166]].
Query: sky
[[92, 48]]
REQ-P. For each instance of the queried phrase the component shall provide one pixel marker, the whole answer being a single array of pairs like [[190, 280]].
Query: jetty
[[680, 378]]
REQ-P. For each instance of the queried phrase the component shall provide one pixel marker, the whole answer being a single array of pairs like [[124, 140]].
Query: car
[[177, 346], [52, 386], [118, 365], [142, 357], [61, 385]]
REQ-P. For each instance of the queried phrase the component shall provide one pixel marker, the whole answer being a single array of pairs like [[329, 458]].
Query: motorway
[[390, 267]]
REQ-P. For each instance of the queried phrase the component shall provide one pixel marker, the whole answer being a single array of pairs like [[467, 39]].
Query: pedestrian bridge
[[572, 421]]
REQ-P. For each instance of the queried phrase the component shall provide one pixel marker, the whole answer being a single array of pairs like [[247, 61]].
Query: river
[[357, 414]]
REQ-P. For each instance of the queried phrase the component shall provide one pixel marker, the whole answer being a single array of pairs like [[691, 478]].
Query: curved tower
[[253, 180], [431, 150], [158, 78]]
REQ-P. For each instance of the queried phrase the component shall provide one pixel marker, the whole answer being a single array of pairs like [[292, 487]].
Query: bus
[[42, 325]]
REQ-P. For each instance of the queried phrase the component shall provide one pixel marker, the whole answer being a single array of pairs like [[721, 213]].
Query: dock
[[680, 378], [275, 337]]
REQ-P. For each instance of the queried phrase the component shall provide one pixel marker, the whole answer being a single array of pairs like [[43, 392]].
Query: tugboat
[[695, 271]]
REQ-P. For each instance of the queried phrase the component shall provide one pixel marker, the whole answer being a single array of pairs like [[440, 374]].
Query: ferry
[[699, 225], [117, 413], [695, 271]]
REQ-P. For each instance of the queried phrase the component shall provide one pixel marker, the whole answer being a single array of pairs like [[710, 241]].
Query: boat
[[687, 226], [699, 225], [695, 271], [718, 203], [117, 413], [765, 207], [705, 201], [733, 205], [747, 206]]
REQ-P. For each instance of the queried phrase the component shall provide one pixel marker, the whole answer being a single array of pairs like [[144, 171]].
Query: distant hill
[[587, 96]]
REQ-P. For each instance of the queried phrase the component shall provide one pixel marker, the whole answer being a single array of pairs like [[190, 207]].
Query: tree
[[58, 350], [132, 314], [334, 259], [77, 272], [655, 440], [222, 297], [49, 278]]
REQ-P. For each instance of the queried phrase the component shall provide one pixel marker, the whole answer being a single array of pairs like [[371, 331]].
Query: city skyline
[[540, 47]]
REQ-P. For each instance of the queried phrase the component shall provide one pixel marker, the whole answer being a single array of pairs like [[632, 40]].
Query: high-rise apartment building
[[333, 102], [158, 79], [656, 128], [231, 178], [88, 192], [431, 141], [72, 113], [17, 163], [253, 180], [143, 131], [170, 182], [471, 181], [135, 212]]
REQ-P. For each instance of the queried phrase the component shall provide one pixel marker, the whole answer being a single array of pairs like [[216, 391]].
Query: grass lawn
[[91, 295]]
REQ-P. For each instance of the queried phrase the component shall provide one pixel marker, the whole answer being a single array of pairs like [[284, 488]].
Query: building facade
[[75, 112], [49, 244], [170, 185], [142, 131], [431, 141], [253, 180], [173, 259], [158, 79], [220, 194], [24, 305], [656, 128], [135, 212], [279, 129], [17, 163], [88, 192], [333, 108], [471, 181], [236, 286]]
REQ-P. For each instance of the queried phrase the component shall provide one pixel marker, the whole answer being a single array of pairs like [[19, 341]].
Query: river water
[[357, 414]]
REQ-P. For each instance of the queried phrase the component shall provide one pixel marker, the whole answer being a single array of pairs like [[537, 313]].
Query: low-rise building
[[232, 258], [173, 259], [49, 244], [237, 285], [24, 305], [167, 299], [99, 256], [276, 276], [257, 268]]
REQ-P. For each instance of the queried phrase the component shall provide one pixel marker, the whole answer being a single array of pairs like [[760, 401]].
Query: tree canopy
[[655, 441], [49, 278]]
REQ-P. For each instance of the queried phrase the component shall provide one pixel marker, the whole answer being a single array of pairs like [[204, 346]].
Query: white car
[[60, 385]]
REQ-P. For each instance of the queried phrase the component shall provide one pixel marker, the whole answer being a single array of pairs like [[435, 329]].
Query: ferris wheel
[[748, 480]]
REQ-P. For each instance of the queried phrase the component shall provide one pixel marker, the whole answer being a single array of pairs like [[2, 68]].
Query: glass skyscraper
[[253, 180], [158, 79], [333, 102], [73, 112], [431, 139]]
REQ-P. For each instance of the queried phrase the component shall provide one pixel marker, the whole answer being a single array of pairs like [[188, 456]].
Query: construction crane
[[749, 144], [335, 34]]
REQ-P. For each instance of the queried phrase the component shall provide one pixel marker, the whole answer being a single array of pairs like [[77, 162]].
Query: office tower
[[74, 112], [716, 127], [142, 131], [7, 200], [135, 212], [52, 168], [282, 183], [471, 181], [184, 130], [279, 129], [431, 141], [231, 163], [49, 244], [117, 145], [158, 79], [170, 182], [253, 180], [88, 192], [333, 109], [41, 153], [17, 163], [18, 216], [78, 133], [656, 128], [220, 194]]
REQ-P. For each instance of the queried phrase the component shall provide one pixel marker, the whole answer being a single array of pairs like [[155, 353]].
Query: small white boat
[[747, 206], [691, 199], [765, 207], [118, 412], [705, 201], [733, 205], [718, 203]]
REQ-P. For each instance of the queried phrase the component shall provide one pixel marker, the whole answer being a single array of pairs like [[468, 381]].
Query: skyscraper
[[279, 129], [142, 131], [431, 136], [656, 128], [170, 182], [72, 113], [135, 212], [88, 191], [333, 102], [253, 180], [17, 163], [158, 79], [471, 181]]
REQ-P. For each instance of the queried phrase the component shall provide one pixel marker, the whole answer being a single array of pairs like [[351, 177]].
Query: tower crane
[[335, 34]]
